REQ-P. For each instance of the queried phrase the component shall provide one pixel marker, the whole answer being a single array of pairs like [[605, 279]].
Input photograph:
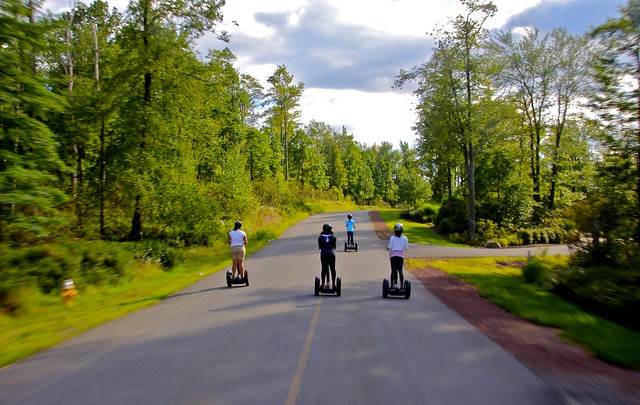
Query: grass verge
[[416, 232], [500, 281]]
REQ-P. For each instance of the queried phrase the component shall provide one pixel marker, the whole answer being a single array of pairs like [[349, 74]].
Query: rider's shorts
[[237, 252]]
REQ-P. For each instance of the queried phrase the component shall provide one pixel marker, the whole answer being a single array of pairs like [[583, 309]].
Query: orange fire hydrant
[[69, 291]]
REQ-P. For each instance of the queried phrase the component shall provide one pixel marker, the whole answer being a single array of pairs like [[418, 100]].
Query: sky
[[349, 52]]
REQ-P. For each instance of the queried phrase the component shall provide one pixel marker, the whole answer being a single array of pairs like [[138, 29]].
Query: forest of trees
[[113, 126]]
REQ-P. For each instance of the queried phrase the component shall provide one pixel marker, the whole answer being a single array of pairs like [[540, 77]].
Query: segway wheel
[[385, 288], [246, 278], [229, 281], [338, 286], [407, 289], [316, 288], [356, 246], [345, 246]]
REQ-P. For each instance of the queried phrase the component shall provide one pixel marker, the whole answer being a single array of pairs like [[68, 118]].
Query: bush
[[103, 262], [543, 270], [157, 251], [610, 292], [526, 236], [428, 213], [487, 230], [513, 240], [462, 238], [458, 217], [444, 227]]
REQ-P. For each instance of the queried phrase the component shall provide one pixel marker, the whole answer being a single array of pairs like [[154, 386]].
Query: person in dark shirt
[[327, 245]]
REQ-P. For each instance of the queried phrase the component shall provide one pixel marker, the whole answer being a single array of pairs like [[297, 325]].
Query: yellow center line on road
[[292, 396]]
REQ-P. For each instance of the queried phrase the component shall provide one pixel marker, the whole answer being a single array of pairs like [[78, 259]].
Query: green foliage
[[426, 213], [456, 213], [611, 292], [30, 199], [416, 231], [543, 270], [158, 252], [444, 227]]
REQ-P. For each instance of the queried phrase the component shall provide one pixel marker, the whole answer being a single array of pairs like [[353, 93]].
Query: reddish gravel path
[[580, 377]]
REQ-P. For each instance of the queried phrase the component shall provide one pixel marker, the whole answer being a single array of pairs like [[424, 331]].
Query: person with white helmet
[[327, 245], [237, 239], [398, 243]]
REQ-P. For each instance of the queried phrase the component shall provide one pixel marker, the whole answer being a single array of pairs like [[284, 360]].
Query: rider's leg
[[400, 270], [396, 266], [393, 272], [332, 266], [234, 267], [325, 269], [241, 268]]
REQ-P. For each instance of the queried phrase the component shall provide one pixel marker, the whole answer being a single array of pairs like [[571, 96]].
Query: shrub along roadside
[[500, 280], [612, 292], [39, 319], [417, 232]]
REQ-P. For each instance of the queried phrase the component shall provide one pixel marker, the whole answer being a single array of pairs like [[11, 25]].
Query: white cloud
[[370, 117]]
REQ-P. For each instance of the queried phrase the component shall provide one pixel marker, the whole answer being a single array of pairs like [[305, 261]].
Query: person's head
[[327, 228], [237, 225], [349, 216], [397, 229]]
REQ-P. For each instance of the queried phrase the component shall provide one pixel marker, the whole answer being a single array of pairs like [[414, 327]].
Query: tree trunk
[[136, 223], [96, 73], [472, 197]]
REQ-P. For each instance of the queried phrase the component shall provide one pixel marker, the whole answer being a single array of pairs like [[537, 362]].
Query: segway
[[237, 280], [353, 246], [326, 290], [395, 291]]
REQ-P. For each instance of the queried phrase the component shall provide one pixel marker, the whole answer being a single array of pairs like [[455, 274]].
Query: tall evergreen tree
[[29, 162]]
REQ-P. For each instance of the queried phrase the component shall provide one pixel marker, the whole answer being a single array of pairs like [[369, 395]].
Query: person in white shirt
[[398, 243], [237, 239]]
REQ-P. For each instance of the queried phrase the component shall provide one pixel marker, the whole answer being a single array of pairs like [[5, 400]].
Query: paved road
[[276, 343]]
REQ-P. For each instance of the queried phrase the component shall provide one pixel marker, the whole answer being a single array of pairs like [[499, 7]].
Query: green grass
[[505, 287], [416, 232], [43, 321]]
